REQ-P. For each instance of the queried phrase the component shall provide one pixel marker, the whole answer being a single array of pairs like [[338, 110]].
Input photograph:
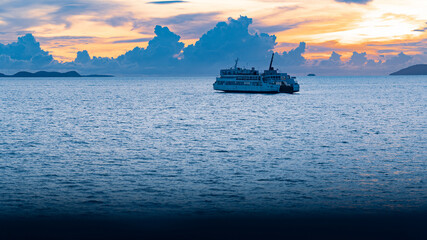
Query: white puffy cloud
[[216, 49], [358, 59], [334, 60], [228, 41], [399, 59], [24, 54], [293, 57]]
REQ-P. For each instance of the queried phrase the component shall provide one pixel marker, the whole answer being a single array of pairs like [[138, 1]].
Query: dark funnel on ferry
[[271, 62]]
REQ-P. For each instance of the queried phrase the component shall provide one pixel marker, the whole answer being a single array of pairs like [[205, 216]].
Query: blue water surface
[[174, 146]]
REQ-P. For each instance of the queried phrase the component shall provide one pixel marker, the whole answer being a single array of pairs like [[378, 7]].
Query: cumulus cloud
[[160, 55], [230, 40], [358, 59], [162, 52], [164, 46], [25, 53], [293, 57], [82, 57], [216, 49], [334, 60], [399, 59], [24, 49], [335, 57]]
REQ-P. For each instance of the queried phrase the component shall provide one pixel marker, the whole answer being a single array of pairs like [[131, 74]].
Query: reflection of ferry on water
[[249, 80]]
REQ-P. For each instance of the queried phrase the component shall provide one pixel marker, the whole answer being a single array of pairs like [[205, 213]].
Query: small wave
[[237, 139], [93, 202], [220, 151], [79, 142], [147, 189], [280, 179]]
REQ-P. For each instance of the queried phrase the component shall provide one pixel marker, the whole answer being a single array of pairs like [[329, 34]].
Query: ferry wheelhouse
[[250, 80]]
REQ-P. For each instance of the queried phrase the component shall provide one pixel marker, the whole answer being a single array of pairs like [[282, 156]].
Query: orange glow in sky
[[108, 28]]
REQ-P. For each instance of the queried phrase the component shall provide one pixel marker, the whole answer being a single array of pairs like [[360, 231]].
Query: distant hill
[[419, 69], [43, 74]]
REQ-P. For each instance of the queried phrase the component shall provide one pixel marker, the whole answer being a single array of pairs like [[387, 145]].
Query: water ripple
[[133, 146]]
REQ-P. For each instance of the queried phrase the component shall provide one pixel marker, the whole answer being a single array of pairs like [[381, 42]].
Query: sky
[[330, 37]]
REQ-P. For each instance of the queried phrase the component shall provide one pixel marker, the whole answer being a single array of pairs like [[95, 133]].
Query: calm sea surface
[[174, 146]]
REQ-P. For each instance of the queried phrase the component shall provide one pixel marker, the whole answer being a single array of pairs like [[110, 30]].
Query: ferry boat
[[251, 81]]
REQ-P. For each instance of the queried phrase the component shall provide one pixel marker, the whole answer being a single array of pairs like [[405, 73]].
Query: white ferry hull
[[265, 88]]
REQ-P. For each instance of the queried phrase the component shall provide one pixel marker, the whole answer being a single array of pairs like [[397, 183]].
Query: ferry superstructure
[[251, 81]]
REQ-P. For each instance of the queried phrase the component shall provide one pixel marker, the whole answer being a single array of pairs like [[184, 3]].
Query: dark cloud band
[[216, 49], [165, 2], [355, 1]]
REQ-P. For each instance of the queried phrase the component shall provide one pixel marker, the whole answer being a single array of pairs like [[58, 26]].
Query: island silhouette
[[419, 69], [44, 74]]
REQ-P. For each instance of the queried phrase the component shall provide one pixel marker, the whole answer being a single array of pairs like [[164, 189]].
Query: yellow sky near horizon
[[323, 25]]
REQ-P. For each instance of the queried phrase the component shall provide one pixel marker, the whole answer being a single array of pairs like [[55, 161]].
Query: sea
[[173, 146]]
